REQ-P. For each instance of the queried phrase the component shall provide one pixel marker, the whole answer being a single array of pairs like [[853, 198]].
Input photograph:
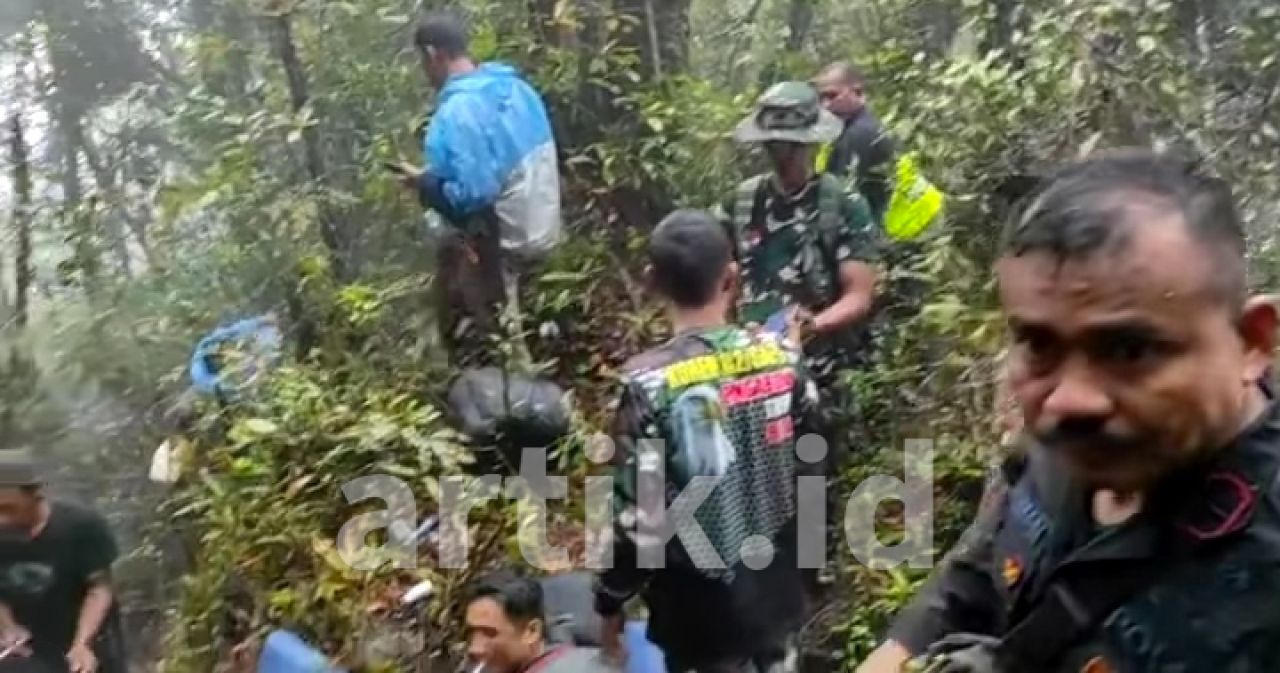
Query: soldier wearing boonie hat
[[789, 112], [806, 243]]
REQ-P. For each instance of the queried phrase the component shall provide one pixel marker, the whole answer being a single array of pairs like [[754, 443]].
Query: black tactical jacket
[[1207, 544]]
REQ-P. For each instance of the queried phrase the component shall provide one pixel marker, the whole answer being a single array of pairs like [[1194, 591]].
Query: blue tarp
[[257, 339]]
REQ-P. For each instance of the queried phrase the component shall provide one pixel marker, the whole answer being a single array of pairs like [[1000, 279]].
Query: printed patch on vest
[[724, 365], [779, 431], [735, 393], [777, 407]]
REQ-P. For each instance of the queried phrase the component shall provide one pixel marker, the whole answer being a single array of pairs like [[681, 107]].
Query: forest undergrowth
[[174, 166]]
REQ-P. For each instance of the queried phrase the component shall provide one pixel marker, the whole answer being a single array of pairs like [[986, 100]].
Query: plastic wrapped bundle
[[510, 410]]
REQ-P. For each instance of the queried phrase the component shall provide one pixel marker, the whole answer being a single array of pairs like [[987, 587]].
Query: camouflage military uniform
[[791, 247]]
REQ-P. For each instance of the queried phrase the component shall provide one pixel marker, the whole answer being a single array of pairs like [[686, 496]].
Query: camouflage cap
[[789, 112], [17, 469]]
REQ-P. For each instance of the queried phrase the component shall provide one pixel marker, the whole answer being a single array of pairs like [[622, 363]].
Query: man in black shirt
[[863, 146], [55, 577]]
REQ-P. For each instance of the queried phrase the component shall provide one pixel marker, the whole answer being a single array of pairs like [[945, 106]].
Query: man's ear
[[646, 277], [1258, 324], [732, 275], [534, 631]]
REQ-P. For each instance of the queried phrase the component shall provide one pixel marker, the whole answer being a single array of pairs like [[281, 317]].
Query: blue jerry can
[[642, 655], [285, 652]]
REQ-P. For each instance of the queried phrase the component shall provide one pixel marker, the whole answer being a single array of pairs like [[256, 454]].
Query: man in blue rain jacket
[[491, 172]]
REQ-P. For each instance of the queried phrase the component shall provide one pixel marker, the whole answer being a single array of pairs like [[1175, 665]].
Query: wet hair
[[443, 31], [519, 596], [689, 251], [846, 72], [1087, 208]]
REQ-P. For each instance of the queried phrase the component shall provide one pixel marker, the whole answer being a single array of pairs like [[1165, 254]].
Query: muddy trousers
[[478, 300]]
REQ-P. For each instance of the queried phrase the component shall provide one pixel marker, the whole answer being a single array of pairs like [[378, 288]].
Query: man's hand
[[890, 657], [961, 653], [14, 637], [800, 325], [857, 287], [611, 647], [81, 659]]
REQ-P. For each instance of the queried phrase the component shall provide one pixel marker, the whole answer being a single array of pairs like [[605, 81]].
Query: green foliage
[[204, 207], [263, 499], [929, 378]]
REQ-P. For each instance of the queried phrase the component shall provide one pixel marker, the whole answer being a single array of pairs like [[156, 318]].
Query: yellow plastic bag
[[915, 203]]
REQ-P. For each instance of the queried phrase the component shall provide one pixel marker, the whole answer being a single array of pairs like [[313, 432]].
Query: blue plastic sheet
[[258, 338], [642, 655], [285, 652]]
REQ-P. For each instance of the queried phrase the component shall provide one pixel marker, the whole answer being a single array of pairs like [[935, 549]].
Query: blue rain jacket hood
[[490, 145]]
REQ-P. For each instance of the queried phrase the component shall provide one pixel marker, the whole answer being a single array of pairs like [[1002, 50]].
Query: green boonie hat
[[17, 469], [789, 112]]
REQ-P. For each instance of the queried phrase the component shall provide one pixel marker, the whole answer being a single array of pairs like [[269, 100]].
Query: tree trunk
[[672, 18], [213, 17], [939, 23], [1008, 17], [115, 219], [22, 275], [331, 229], [799, 23], [81, 224], [660, 36], [67, 107], [280, 29]]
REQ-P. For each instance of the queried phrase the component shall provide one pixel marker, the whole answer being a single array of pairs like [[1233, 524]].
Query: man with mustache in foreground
[[1140, 530]]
